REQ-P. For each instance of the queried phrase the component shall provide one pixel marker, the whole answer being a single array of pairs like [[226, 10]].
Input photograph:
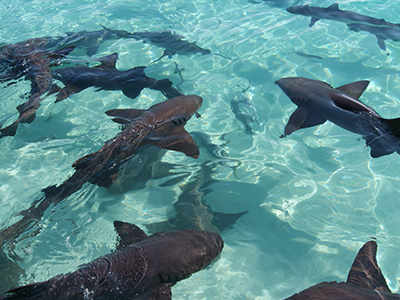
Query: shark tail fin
[[223, 220], [108, 62], [165, 87], [365, 271]]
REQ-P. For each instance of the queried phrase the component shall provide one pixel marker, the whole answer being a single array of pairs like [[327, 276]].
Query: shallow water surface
[[313, 198]]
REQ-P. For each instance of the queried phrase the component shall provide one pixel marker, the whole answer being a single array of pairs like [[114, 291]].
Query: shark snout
[[286, 84]]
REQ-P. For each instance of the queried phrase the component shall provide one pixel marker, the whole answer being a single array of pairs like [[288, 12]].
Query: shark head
[[178, 254], [299, 10]]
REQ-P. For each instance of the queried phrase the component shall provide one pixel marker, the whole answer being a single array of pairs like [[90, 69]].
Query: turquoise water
[[312, 198]]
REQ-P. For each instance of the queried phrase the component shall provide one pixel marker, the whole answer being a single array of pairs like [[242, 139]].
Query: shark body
[[106, 77], [317, 102], [142, 267], [161, 125]]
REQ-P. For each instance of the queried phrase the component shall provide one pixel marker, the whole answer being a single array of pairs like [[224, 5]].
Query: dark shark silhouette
[[171, 43], [28, 59], [333, 12], [142, 267], [191, 210], [365, 281], [161, 125], [106, 77], [317, 102], [382, 33]]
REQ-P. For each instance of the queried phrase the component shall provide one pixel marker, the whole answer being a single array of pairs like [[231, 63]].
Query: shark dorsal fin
[[179, 139], [124, 116], [365, 271], [334, 6], [108, 62], [354, 89], [128, 234]]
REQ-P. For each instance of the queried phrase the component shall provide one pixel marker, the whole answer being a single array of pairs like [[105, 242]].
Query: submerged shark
[[161, 125], [333, 12], [106, 77], [382, 33], [142, 267], [365, 281], [28, 60], [317, 102], [191, 210]]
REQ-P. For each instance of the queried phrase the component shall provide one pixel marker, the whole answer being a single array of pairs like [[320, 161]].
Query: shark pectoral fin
[[354, 89], [180, 140], [223, 221], [107, 62], [365, 271], [381, 42], [61, 53], [67, 91], [301, 118], [393, 124], [123, 116], [132, 92], [313, 21], [128, 234], [83, 161], [90, 51], [379, 146]]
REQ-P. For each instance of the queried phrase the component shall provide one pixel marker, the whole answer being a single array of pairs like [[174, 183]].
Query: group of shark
[[146, 267]]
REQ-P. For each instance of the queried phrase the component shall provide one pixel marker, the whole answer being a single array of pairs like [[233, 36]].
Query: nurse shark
[[333, 12], [364, 281], [317, 102], [142, 267], [161, 125], [106, 77]]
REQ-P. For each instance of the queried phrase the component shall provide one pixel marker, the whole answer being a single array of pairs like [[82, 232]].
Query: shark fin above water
[[365, 271], [354, 89], [128, 234], [331, 8]]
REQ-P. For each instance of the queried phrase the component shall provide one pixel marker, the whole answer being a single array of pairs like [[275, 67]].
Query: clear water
[[312, 198]]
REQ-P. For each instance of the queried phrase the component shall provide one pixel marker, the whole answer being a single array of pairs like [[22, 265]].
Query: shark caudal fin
[[128, 234], [107, 62], [365, 271], [385, 140]]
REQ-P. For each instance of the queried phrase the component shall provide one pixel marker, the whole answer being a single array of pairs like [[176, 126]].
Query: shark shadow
[[142, 267], [317, 102], [191, 210], [106, 77], [161, 125], [365, 281]]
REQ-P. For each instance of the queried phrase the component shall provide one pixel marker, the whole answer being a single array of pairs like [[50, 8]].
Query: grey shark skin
[[317, 102], [161, 125], [191, 210], [106, 77], [365, 281], [381, 33], [333, 12], [142, 267]]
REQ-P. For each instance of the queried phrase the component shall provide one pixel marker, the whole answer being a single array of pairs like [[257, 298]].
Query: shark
[[382, 33], [317, 102], [141, 267], [28, 59], [106, 77], [333, 12], [171, 43], [161, 125], [191, 209], [364, 281]]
